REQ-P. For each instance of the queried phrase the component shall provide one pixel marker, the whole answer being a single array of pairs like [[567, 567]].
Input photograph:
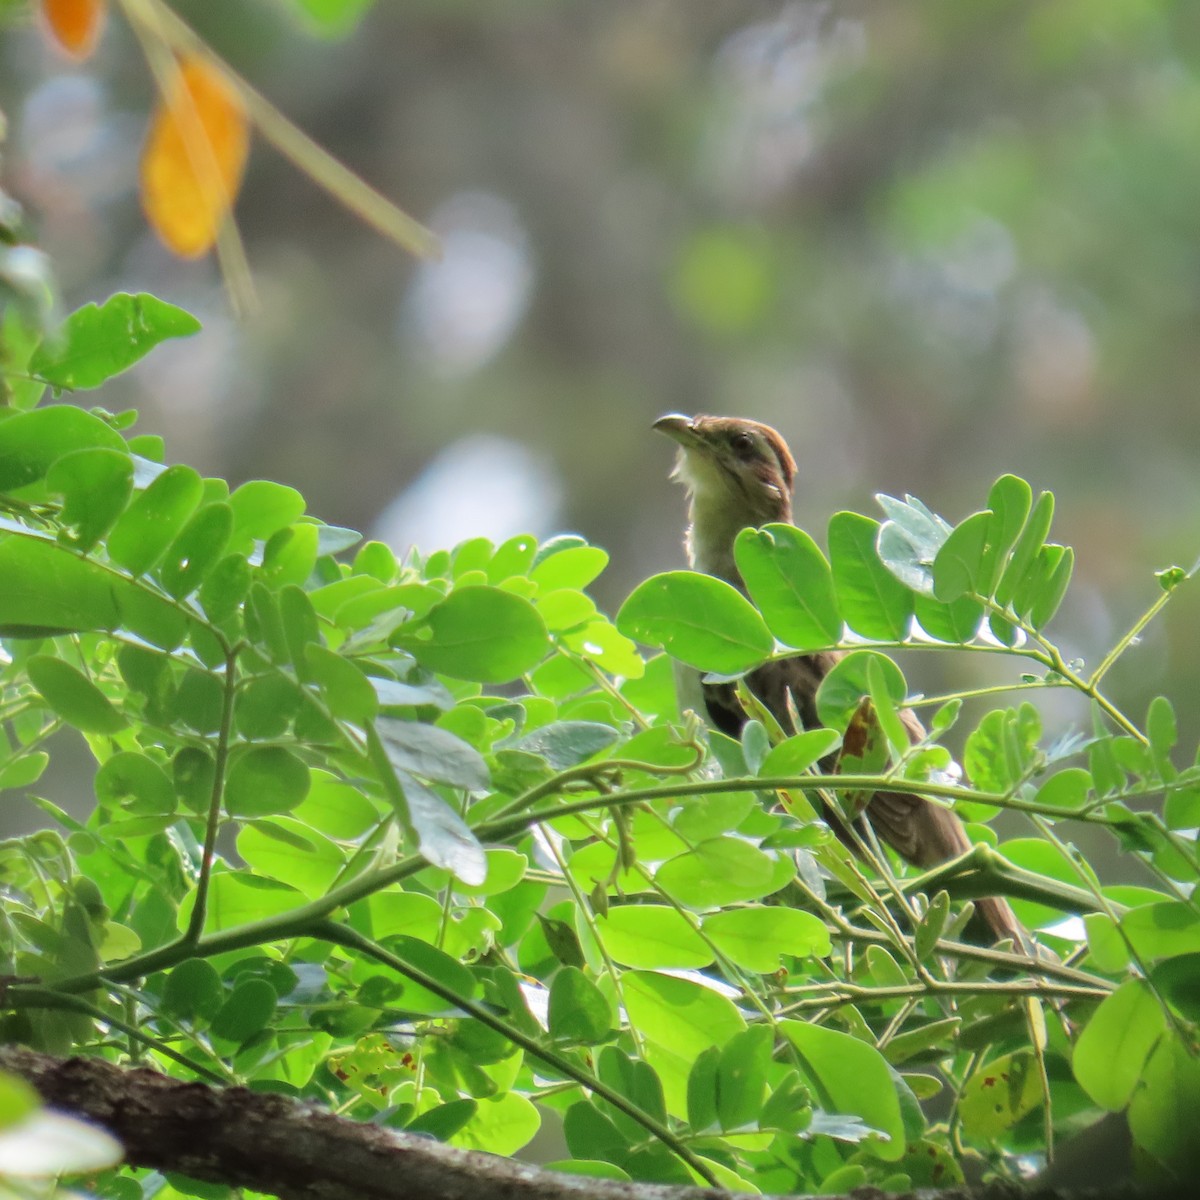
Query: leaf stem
[[199, 912]]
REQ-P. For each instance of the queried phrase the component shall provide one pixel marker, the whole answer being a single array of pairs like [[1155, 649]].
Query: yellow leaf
[[74, 24], [194, 158]]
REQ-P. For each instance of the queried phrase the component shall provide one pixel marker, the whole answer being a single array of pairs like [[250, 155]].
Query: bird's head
[[738, 473]]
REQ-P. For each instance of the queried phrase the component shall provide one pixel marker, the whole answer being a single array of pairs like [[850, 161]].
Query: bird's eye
[[742, 444]]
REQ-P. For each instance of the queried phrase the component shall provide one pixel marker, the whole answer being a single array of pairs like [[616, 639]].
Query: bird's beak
[[679, 429]]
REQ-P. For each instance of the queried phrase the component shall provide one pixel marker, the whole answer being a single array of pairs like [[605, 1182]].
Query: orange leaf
[[75, 24], [194, 158]]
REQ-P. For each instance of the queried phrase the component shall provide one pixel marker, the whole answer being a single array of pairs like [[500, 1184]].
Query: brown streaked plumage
[[739, 473]]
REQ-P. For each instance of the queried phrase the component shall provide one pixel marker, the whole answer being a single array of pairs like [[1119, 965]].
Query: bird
[[739, 474]]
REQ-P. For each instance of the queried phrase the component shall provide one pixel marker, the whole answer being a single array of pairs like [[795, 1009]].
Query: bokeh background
[[931, 241]]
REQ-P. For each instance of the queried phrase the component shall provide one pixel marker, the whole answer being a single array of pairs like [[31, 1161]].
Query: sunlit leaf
[[850, 1077], [154, 519], [789, 580], [999, 1094], [483, 634], [75, 24], [73, 696], [194, 158], [99, 341], [652, 936], [1025, 551], [957, 567], [1113, 1047], [756, 936], [95, 486], [702, 621], [31, 442], [873, 601], [843, 689]]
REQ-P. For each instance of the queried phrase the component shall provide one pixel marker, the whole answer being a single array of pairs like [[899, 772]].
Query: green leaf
[[563, 563], [261, 508], [136, 784], [909, 540], [794, 755], [999, 1094], [701, 621], [872, 600], [444, 1121], [850, 1077], [443, 837], [932, 925], [95, 485], [236, 899], [1009, 501], [680, 1015], [410, 913], [264, 780], [702, 1090], [1162, 1113], [1114, 1045], [843, 689], [290, 556], [578, 1012], [956, 623], [23, 769], [1027, 547], [18, 1100], [265, 706], [790, 582], [505, 869], [1163, 732], [742, 1072], [565, 744], [287, 850], [348, 692], [440, 968], [481, 634], [49, 589], [225, 587], [433, 753], [1178, 979], [1046, 603], [199, 700], [1163, 930], [197, 549], [591, 1134], [73, 696], [958, 565], [97, 342], [154, 519], [652, 936], [336, 809], [756, 937], [193, 991], [721, 871], [247, 1011], [1067, 789], [31, 442]]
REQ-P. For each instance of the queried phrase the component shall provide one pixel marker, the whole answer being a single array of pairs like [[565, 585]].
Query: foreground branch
[[275, 1145]]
